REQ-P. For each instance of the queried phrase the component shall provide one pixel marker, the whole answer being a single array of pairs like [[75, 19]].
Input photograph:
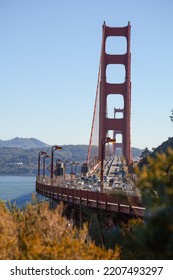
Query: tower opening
[[115, 101], [115, 73], [116, 45]]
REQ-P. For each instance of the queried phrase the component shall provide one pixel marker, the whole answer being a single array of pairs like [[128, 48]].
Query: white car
[[80, 182], [127, 188], [87, 187], [115, 185]]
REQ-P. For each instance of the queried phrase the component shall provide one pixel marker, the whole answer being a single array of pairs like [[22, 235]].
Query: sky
[[49, 59]]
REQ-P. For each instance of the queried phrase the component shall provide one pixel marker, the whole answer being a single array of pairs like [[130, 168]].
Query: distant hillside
[[24, 161], [33, 143], [19, 161], [19, 156], [24, 143], [136, 152], [164, 146]]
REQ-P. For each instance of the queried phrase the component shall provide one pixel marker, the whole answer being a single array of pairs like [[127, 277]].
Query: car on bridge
[[87, 187], [127, 187]]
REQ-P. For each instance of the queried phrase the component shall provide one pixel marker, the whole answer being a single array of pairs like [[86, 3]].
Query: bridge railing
[[55, 189]]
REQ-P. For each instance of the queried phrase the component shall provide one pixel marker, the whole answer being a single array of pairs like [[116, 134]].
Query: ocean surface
[[17, 189]]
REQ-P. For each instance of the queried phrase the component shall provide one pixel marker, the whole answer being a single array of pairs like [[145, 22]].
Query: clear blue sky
[[49, 57]]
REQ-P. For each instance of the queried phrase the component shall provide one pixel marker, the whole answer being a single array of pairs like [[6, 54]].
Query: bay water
[[17, 189]]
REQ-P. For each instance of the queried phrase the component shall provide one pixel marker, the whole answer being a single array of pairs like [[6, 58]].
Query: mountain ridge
[[19, 156], [30, 143], [24, 143]]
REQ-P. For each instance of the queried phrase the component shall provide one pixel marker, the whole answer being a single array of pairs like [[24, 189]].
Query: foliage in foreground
[[153, 239], [38, 233]]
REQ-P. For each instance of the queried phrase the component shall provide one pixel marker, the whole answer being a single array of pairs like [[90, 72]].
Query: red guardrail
[[93, 199]]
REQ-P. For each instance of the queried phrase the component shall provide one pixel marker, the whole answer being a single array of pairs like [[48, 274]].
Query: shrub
[[40, 233]]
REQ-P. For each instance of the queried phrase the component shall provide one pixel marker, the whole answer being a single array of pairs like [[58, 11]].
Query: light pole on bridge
[[39, 155], [44, 158], [54, 148]]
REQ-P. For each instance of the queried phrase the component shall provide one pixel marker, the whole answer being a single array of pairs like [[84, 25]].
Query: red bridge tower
[[120, 125]]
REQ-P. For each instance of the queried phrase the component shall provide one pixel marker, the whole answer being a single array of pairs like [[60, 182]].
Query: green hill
[[24, 161], [164, 146], [24, 143]]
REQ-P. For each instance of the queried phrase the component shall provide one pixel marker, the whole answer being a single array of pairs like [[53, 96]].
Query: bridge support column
[[124, 89]]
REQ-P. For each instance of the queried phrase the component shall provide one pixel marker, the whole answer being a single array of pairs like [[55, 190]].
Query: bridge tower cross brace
[[124, 89]]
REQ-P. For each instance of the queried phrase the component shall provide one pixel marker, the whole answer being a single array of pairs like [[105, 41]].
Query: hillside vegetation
[[163, 148], [16, 160], [24, 143], [19, 156]]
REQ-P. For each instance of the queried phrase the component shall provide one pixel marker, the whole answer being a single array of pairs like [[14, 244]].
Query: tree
[[144, 157], [145, 153], [154, 238]]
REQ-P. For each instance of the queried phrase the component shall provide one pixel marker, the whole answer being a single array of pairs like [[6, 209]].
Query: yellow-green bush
[[40, 233], [153, 239], [156, 181], [8, 235]]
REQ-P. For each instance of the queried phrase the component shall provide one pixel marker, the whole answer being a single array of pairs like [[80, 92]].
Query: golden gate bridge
[[104, 131]]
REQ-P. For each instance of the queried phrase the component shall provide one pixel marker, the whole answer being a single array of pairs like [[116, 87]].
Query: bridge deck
[[54, 189]]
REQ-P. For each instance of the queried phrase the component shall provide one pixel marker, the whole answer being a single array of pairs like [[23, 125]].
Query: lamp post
[[103, 142], [54, 148], [44, 158], [39, 155]]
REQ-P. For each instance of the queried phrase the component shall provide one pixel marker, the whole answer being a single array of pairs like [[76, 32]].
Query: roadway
[[86, 189], [114, 178]]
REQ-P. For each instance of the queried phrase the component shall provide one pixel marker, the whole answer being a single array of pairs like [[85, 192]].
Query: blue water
[[17, 188]]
